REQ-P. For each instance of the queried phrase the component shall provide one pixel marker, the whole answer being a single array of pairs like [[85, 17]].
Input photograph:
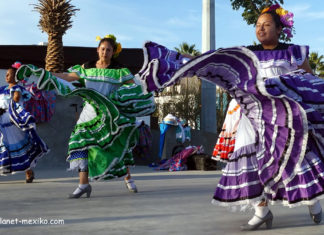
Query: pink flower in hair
[[274, 7], [16, 65]]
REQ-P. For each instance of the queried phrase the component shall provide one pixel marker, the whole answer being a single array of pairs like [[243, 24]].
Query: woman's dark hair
[[12, 68], [111, 41], [275, 17]]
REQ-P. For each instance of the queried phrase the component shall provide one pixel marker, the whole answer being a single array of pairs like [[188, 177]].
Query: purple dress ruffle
[[20, 145], [41, 104], [286, 162]]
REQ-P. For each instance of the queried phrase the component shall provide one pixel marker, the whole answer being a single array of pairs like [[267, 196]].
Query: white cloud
[[189, 20], [314, 15], [175, 21], [124, 38], [298, 9], [160, 35], [306, 11], [8, 22]]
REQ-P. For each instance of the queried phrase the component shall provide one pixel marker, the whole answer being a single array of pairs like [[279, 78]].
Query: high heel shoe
[[29, 176], [267, 220], [86, 190], [130, 185], [317, 218]]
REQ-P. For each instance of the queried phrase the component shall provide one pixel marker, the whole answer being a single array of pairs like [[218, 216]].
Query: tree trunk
[[55, 56]]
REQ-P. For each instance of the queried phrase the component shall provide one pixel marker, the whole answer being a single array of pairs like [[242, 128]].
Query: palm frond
[[55, 15]]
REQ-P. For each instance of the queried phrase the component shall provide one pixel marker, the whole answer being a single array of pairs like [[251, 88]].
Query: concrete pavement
[[167, 203]]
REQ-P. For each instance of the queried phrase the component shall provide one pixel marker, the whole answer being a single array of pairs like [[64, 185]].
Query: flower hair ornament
[[286, 18], [16, 65], [118, 45]]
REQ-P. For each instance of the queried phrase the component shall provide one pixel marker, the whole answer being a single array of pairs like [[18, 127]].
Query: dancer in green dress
[[101, 143]]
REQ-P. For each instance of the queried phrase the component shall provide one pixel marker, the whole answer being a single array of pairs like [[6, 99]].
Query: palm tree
[[321, 71], [317, 64], [55, 20], [186, 49]]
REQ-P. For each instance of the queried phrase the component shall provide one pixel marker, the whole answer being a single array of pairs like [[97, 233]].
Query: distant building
[[42, 44], [132, 58]]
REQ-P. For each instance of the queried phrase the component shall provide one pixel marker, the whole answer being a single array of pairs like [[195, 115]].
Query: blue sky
[[168, 22]]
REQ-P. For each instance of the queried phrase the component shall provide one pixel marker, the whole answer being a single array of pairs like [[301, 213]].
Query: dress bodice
[[6, 95], [283, 59], [104, 88], [103, 80]]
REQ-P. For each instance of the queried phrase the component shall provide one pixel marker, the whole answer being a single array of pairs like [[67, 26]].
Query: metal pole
[[208, 90]]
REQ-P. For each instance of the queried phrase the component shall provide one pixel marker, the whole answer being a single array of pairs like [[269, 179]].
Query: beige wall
[[2, 77]]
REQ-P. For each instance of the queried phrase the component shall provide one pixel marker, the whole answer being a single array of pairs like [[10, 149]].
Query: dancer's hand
[[188, 56], [274, 86]]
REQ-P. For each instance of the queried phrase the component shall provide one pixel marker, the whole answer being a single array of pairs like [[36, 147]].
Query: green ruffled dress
[[106, 131]]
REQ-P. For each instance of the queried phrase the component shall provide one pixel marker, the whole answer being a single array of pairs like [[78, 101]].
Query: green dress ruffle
[[110, 136]]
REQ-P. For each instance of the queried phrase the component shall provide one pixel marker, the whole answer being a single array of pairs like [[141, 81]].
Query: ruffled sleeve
[[298, 54], [25, 95], [115, 76]]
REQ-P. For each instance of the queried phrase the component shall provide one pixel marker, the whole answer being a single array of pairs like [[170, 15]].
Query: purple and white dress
[[20, 145], [279, 148], [290, 169]]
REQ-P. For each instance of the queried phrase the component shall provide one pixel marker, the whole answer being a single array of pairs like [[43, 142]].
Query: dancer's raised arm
[[70, 77]]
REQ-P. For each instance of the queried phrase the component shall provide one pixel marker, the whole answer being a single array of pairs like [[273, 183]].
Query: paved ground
[[167, 203]]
